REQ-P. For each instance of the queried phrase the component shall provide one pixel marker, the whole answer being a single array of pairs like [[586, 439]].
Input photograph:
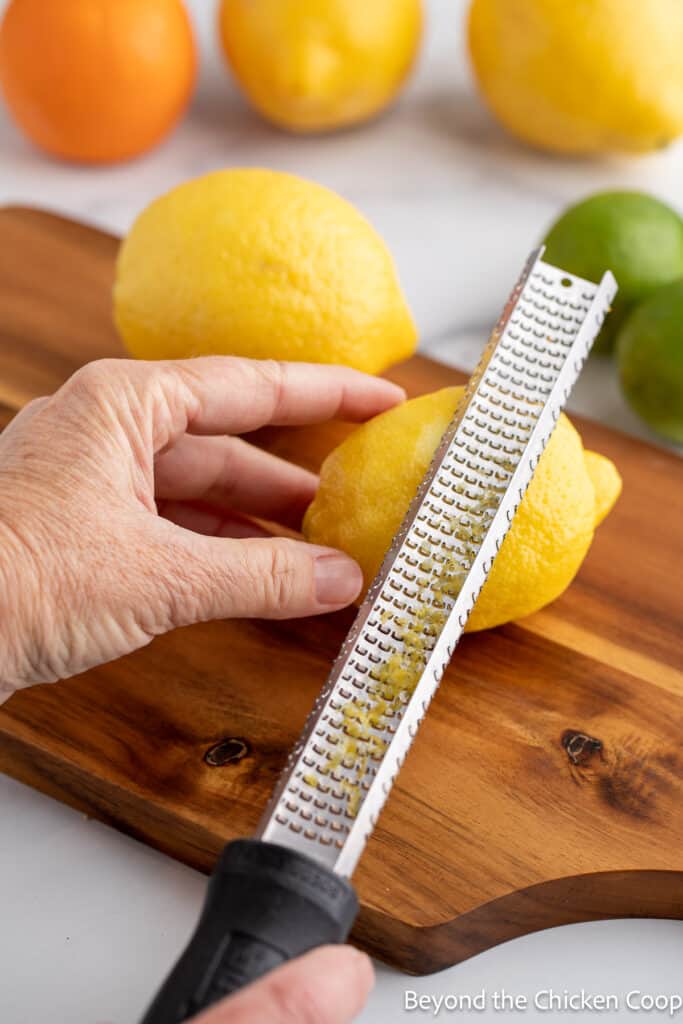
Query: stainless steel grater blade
[[340, 772], [277, 896]]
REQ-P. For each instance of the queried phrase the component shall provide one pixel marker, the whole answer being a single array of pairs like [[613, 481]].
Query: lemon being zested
[[314, 65], [368, 481], [260, 264], [594, 76]]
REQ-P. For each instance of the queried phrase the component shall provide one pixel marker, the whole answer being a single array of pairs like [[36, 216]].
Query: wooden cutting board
[[546, 784]]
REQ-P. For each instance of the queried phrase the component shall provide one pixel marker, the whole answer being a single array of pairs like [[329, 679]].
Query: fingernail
[[338, 579], [399, 392]]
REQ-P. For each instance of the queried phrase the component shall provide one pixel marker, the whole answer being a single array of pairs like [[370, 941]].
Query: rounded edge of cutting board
[[574, 899]]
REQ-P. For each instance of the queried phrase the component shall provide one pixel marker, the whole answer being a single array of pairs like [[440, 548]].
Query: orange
[[96, 80]]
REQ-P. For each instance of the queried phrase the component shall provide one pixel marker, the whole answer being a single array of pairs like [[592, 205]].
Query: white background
[[91, 920]]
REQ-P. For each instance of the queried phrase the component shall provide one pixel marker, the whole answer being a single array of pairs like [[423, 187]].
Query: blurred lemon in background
[[313, 65], [588, 77], [650, 360], [96, 80], [368, 481], [637, 237], [262, 264]]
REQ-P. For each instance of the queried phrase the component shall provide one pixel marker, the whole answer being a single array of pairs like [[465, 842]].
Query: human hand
[[328, 986], [124, 504]]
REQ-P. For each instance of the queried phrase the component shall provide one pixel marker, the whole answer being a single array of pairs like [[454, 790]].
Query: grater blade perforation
[[338, 775]]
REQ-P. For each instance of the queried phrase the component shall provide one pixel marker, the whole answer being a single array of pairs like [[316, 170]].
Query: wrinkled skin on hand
[[125, 504]]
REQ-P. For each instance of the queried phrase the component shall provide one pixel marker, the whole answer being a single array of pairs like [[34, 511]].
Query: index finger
[[224, 395], [232, 395], [227, 395]]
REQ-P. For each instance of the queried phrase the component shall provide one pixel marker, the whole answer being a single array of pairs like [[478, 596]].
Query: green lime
[[637, 237], [650, 358]]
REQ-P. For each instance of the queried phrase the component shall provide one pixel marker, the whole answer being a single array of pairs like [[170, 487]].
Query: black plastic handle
[[265, 904]]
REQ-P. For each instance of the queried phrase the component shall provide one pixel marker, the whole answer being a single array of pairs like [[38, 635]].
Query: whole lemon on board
[[583, 77], [314, 65], [636, 236], [368, 481], [261, 264], [96, 80]]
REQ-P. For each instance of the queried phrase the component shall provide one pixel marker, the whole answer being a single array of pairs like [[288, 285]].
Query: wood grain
[[546, 783]]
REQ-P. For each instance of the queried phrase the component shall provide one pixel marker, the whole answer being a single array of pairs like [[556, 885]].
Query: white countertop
[[89, 919]]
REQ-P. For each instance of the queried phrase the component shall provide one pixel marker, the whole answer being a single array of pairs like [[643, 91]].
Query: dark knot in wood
[[580, 747], [230, 750]]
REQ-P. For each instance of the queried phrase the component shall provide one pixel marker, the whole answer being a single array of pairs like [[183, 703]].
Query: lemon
[[606, 481], [588, 77], [261, 264], [650, 360], [636, 236], [311, 65], [366, 485]]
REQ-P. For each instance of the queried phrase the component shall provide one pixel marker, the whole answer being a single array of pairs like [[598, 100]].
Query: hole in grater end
[[566, 282]]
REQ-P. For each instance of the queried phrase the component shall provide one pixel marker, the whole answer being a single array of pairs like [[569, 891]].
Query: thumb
[[273, 577], [327, 986]]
